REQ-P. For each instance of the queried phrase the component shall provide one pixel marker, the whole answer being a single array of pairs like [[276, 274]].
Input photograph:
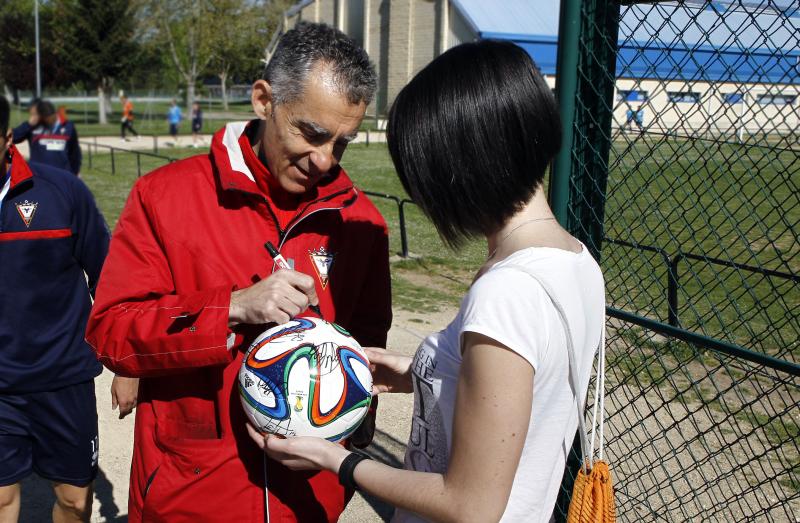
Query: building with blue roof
[[691, 65]]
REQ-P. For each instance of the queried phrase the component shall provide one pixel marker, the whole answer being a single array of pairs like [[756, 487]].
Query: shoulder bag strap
[[573, 374]]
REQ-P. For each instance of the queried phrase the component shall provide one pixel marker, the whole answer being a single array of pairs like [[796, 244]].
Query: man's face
[[304, 141]]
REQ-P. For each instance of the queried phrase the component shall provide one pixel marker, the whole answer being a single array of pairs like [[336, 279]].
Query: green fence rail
[[683, 177]]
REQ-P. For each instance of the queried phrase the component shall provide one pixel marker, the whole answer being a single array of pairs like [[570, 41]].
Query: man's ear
[[261, 98]]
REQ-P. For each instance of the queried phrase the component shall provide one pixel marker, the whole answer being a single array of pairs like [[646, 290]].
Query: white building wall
[[712, 113]]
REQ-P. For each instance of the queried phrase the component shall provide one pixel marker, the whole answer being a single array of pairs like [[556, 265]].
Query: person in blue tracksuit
[[53, 241], [174, 117], [51, 141]]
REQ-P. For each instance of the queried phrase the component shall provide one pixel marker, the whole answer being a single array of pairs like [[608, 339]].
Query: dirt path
[[116, 441]]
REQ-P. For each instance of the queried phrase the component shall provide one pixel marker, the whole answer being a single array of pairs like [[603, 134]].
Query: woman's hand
[[391, 372], [300, 453]]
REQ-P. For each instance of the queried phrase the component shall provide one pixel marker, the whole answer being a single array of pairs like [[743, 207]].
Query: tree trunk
[[101, 104], [223, 77], [189, 95]]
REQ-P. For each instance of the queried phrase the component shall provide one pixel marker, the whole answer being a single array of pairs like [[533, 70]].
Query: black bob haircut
[[471, 137], [5, 115]]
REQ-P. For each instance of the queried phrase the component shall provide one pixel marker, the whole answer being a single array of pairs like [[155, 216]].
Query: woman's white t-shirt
[[509, 306]]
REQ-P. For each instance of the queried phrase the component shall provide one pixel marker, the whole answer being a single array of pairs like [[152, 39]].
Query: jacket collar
[[234, 174], [20, 171]]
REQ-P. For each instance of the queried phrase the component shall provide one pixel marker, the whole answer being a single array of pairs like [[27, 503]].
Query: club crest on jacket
[[322, 261], [26, 211]]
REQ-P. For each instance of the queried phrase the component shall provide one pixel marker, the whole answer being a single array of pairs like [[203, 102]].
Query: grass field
[[731, 203]]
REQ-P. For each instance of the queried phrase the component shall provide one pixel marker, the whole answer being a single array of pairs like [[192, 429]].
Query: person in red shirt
[[188, 284]]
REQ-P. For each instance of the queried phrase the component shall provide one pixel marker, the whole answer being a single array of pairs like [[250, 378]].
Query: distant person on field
[[197, 123], [51, 142], [53, 241], [127, 117], [174, 117]]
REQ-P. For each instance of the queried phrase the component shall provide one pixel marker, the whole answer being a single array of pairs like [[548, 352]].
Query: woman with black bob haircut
[[494, 414]]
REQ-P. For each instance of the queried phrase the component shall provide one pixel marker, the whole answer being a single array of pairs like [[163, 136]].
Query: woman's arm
[[493, 403]]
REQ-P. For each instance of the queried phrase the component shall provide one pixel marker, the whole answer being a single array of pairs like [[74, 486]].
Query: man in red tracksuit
[[188, 284]]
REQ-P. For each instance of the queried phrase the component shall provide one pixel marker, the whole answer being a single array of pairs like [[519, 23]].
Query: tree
[[186, 29], [18, 52], [244, 28], [96, 42]]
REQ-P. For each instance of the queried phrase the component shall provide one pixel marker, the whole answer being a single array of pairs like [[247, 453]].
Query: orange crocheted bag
[[592, 496]]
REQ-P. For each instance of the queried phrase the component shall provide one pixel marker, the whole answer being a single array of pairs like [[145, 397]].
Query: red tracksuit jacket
[[189, 234]]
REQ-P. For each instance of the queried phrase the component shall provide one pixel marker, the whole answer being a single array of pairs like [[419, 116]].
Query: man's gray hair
[[306, 46]]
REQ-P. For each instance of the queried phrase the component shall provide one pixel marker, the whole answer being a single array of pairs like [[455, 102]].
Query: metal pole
[[113, 167], [566, 88], [672, 289], [38, 65]]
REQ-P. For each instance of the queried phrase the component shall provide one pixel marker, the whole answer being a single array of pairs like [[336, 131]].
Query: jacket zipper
[[315, 211]]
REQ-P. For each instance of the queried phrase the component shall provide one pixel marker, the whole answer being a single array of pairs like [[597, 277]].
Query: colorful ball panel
[[306, 377]]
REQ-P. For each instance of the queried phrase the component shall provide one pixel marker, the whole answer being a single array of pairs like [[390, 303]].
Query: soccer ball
[[306, 377]]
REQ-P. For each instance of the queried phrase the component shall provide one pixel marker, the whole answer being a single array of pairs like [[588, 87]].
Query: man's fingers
[[302, 282], [113, 400]]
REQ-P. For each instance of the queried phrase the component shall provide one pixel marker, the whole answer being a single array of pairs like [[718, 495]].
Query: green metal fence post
[[591, 144], [566, 90]]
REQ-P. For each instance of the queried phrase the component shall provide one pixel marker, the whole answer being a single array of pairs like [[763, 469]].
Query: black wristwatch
[[347, 468]]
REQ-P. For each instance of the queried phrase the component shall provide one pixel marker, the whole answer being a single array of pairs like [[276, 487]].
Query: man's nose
[[323, 159]]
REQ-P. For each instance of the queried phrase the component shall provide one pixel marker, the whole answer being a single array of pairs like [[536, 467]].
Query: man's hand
[[275, 299], [124, 392]]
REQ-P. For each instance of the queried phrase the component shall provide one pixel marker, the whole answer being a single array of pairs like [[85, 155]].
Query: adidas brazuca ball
[[306, 377]]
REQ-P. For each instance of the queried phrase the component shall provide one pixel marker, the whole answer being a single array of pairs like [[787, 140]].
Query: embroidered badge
[[26, 211], [323, 260]]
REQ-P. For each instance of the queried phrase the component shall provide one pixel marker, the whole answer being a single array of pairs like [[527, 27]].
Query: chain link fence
[[683, 176]]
